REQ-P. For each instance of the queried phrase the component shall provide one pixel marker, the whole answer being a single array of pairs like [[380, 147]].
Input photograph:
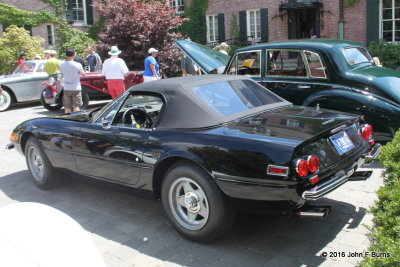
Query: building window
[[78, 9], [212, 28], [178, 5], [254, 23], [390, 26], [50, 35]]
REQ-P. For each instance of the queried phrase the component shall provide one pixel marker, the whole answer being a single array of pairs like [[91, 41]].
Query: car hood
[[205, 57], [385, 81], [289, 126], [11, 78]]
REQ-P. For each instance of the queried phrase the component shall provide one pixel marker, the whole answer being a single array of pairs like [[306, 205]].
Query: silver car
[[24, 84]]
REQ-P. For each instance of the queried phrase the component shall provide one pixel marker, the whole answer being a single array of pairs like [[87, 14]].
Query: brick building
[[272, 20], [79, 13]]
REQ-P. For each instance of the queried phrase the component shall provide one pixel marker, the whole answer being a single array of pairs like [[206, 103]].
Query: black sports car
[[203, 145]]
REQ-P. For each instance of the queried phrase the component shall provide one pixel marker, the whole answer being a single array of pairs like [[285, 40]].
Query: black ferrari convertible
[[203, 145]]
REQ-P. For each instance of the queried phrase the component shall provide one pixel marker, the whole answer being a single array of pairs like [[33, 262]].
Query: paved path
[[131, 231]]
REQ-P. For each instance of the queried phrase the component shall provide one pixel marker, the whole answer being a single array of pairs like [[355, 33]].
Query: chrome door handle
[[304, 86]]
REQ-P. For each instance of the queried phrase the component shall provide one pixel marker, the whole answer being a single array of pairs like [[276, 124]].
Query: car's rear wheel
[[43, 173], [5, 100], [194, 204]]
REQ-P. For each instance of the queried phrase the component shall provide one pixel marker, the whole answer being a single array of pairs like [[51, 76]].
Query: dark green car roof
[[316, 44]]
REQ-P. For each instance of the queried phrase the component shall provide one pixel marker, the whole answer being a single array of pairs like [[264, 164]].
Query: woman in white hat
[[151, 67], [114, 68]]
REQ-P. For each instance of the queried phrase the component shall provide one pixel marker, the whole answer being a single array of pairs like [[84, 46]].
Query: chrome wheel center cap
[[192, 202]]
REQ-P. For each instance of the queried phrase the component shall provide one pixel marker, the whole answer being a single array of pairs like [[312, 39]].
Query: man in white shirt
[[71, 72], [114, 68]]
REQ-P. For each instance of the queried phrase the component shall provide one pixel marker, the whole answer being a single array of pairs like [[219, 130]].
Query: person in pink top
[[114, 69]]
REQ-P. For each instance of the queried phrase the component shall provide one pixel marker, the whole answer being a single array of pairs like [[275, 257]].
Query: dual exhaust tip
[[313, 211]]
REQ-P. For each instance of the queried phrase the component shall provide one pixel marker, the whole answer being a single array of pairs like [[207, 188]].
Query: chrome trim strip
[[323, 189]]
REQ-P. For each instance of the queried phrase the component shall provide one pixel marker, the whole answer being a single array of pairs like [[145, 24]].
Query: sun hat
[[223, 44], [114, 51], [152, 50], [47, 51], [37, 57]]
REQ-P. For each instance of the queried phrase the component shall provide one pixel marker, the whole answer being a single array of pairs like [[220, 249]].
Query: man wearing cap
[[114, 68], [223, 47], [52, 66], [72, 71], [151, 67], [46, 54]]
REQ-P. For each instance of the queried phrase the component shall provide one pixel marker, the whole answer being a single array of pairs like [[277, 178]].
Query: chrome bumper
[[323, 189], [373, 154]]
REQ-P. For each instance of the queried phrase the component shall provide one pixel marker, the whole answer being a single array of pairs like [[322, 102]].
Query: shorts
[[72, 99]]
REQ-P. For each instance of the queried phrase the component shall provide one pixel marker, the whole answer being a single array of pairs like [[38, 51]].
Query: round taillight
[[302, 167], [313, 163], [366, 131]]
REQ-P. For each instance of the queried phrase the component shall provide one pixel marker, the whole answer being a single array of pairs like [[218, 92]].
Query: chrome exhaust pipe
[[9, 146], [360, 176], [313, 211]]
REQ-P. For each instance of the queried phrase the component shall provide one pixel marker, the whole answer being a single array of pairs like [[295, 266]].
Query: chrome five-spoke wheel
[[189, 203], [35, 162]]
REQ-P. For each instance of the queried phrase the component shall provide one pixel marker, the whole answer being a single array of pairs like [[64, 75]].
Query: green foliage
[[73, 38], [97, 27], [192, 27], [385, 235], [15, 41], [235, 29], [388, 53], [349, 3], [58, 5], [14, 16]]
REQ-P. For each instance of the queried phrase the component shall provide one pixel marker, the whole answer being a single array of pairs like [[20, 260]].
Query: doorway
[[303, 23]]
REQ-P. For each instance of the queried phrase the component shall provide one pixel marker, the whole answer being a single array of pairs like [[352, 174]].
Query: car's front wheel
[[5, 100], [43, 173], [194, 204]]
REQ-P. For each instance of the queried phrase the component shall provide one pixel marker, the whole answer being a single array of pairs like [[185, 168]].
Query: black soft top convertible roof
[[184, 110]]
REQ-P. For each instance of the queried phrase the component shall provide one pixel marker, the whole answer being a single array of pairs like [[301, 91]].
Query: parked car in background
[[331, 74], [24, 84], [94, 86], [204, 145]]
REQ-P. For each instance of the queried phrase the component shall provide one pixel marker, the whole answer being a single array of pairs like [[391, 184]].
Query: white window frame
[[178, 5], [255, 36], [52, 34], [393, 19], [80, 22], [214, 38]]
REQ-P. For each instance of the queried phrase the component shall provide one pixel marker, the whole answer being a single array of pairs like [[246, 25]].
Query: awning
[[300, 5]]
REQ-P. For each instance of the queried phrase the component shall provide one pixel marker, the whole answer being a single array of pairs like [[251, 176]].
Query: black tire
[[194, 204], [49, 107], [5, 100], [43, 173]]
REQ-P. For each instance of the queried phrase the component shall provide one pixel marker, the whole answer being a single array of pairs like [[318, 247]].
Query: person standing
[[46, 54], [188, 67], [151, 67], [21, 59], [52, 66], [223, 47], [94, 61], [114, 68], [72, 71], [79, 60]]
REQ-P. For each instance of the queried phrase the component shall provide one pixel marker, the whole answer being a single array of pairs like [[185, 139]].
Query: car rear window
[[356, 55], [232, 97]]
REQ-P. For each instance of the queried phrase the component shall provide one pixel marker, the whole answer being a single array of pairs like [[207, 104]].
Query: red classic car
[[94, 86]]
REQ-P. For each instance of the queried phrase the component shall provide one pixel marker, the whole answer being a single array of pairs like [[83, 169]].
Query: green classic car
[[330, 74]]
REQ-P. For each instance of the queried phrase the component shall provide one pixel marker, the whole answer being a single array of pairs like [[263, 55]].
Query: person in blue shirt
[[151, 67]]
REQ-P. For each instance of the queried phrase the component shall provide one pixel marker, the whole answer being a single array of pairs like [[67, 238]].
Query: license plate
[[342, 142]]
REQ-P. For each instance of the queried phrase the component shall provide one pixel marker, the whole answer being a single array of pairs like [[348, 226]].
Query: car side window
[[285, 63], [139, 111], [317, 68], [40, 68], [249, 63], [233, 67]]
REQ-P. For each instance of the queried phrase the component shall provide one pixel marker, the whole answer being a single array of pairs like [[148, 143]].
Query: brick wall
[[355, 18]]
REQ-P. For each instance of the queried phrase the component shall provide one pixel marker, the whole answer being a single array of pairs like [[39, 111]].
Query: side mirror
[[105, 124]]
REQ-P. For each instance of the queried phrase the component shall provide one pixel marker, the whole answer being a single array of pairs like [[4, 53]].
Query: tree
[[15, 41], [135, 26], [73, 38]]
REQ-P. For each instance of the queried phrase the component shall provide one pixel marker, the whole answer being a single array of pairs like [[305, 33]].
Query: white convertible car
[[24, 84]]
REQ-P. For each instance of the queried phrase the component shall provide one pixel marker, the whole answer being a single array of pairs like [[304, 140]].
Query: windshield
[[356, 55], [232, 97], [25, 67]]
